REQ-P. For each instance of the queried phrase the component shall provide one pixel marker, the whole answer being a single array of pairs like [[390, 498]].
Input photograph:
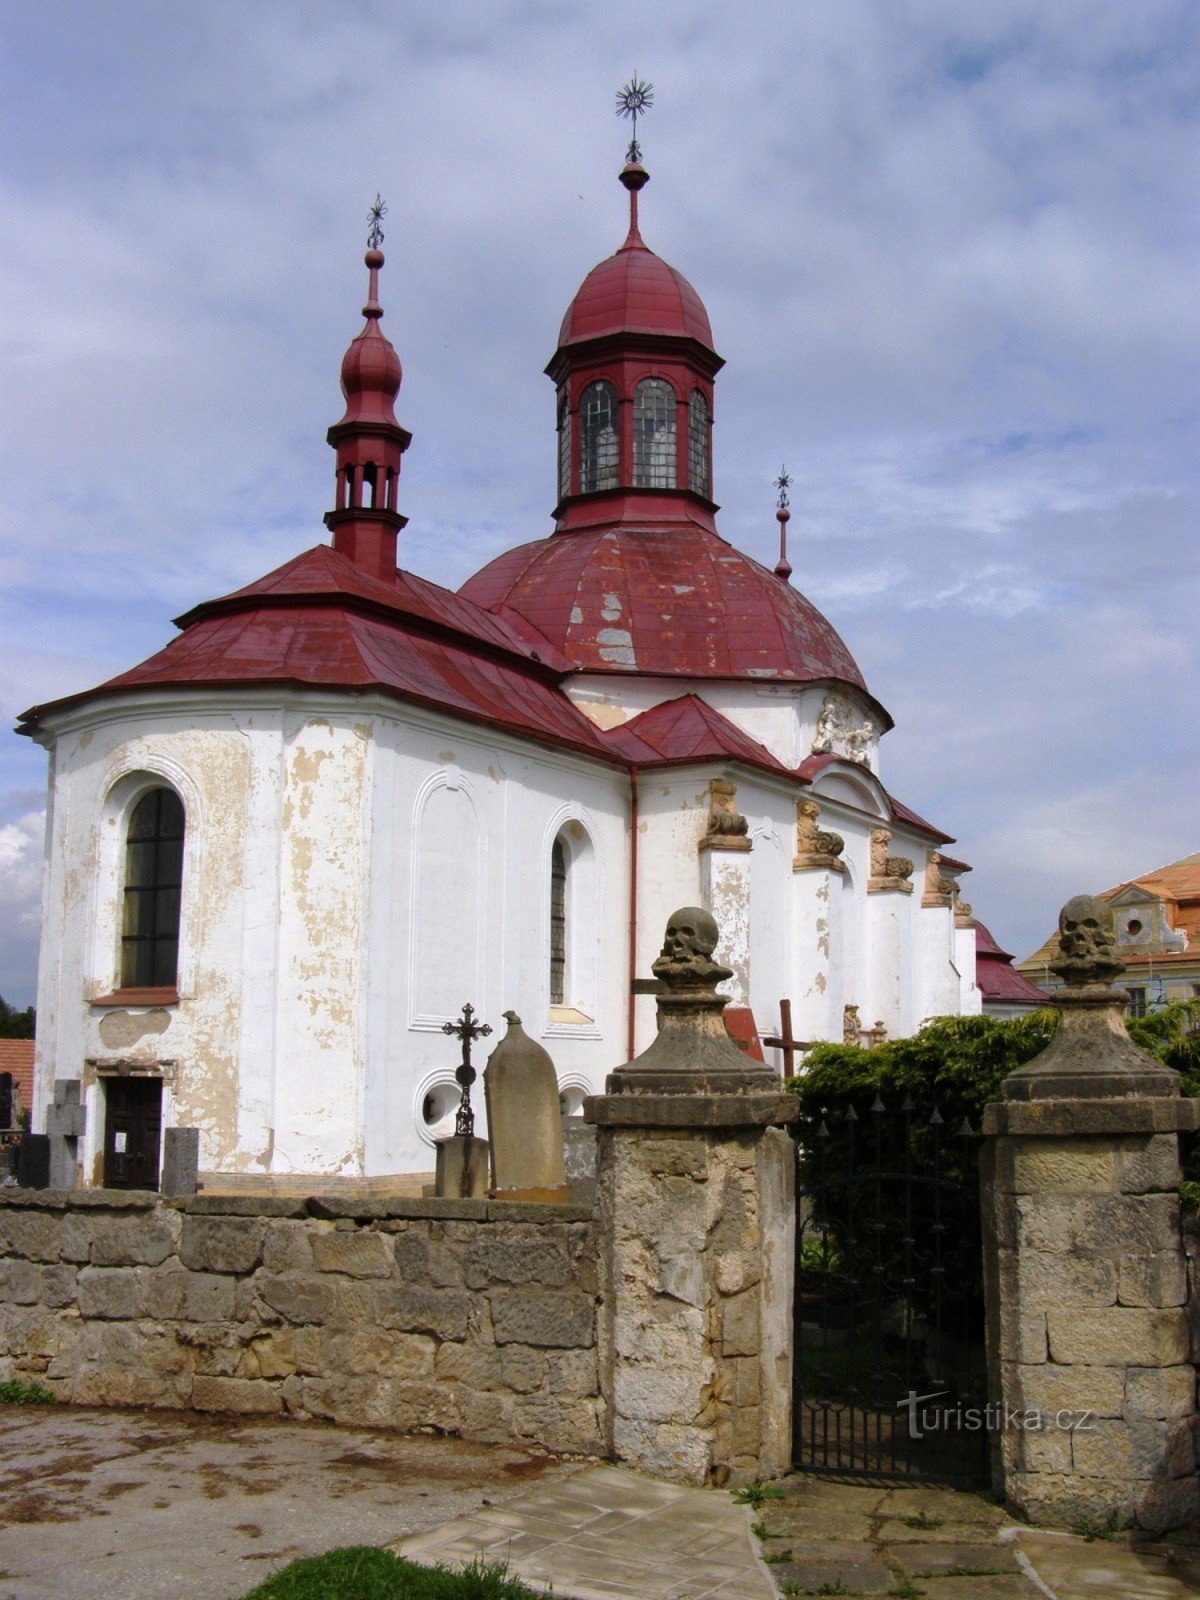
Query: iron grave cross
[[468, 1030]]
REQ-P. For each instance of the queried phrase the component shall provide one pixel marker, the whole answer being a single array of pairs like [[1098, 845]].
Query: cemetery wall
[[466, 1316]]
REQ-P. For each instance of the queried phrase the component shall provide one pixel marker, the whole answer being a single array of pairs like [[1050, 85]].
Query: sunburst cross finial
[[783, 484], [375, 217], [633, 101]]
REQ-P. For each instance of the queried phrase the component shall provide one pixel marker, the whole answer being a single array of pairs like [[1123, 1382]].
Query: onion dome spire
[[783, 567], [633, 101], [368, 440]]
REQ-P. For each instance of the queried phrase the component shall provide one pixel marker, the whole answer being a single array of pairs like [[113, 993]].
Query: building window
[[654, 435], [153, 877], [558, 924], [598, 425], [698, 444], [1136, 1004], [564, 446]]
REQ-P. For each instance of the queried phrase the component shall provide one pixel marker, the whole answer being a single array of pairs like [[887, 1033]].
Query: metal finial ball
[[375, 217]]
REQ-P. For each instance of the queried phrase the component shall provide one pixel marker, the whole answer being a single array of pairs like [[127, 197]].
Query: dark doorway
[[132, 1132]]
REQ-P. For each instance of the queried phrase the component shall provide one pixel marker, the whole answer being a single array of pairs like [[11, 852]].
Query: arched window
[[564, 446], [598, 425], [654, 435], [558, 923], [698, 477], [153, 878]]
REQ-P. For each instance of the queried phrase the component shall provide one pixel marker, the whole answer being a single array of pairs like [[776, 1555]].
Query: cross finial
[[375, 217], [783, 567], [783, 483], [633, 101], [467, 1030]]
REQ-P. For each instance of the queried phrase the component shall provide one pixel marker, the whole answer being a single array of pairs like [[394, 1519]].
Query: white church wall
[[940, 981]]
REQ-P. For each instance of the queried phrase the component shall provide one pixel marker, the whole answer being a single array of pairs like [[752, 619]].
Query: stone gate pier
[[696, 1229], [1086, 1279]]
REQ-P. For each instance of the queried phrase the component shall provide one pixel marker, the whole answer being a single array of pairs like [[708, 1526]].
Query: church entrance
[[889, 1375], [132, 1132]]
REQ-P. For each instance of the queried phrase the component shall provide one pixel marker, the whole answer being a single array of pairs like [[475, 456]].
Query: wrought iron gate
[[890, 1375]]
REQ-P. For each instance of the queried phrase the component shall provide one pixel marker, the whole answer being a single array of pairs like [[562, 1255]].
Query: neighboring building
[[285, 850], [16, 1080], [1158, 937], [1005, 991]]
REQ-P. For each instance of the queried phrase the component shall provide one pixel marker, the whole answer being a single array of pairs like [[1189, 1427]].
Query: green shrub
[[361, 1572], [20, 1392]]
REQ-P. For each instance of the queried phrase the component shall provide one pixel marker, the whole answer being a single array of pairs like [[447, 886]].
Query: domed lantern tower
[[368, 440], [634, 371]]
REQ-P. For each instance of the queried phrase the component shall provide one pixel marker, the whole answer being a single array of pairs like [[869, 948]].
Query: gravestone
[[180, 1162], [33, 1161], [520, 1086], [6, 1099], [66, 1120], [461, 1172]]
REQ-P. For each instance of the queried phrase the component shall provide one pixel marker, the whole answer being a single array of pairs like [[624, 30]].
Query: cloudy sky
[[949, 252]]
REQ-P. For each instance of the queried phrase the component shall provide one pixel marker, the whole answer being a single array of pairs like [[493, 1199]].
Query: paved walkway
[[608, 1534]]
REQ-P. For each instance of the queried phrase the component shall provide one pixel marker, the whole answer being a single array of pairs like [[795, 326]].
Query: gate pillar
[[695, 1191], [1084, 1265]]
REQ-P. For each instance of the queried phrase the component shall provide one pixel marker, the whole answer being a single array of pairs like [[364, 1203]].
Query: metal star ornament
[[633, 101], [783, 483], [375, 217]]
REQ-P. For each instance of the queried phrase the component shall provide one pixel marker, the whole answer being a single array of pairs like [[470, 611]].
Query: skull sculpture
[[687, 949], [1087, 941]]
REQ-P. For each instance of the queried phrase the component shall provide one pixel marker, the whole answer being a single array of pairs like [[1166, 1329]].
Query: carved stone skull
[[691, 936], [1087, 940]]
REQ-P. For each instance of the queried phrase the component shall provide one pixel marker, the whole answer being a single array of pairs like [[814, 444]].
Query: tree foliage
[[15, 1024]]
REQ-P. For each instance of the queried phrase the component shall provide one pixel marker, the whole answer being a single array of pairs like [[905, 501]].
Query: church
[[344, 801]]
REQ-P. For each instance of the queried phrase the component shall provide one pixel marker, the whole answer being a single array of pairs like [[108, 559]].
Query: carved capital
[[889, 874], [938, 888], [816, 848], [727, 828]]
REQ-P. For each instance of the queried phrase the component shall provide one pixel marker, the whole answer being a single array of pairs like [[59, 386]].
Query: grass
[[756, 1495], [922, 1519], [361, 1572], [1089, 1528], [20, 1392], [837, 1587], [906, 1589]]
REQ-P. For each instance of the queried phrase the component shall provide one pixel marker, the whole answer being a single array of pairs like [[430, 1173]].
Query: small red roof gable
[[689, 729]]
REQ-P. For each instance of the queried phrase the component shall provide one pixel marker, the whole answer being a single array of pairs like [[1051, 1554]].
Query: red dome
[[370, 377], [635, 291], [678, 603]]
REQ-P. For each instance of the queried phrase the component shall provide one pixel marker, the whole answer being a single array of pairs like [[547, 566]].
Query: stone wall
[[468, 1316]]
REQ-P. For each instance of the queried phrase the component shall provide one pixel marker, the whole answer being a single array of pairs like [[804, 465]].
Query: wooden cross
[[785, 1042]]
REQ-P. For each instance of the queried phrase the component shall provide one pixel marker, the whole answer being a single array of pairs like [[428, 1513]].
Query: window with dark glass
[[153, 877], [698, 444], [564, 446], [598, 430], [558, 923], [654, 435], [1135, 1004]]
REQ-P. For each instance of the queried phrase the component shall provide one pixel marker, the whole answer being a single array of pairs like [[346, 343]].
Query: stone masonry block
[[1159, 1280], [140, 1240], [678, 1158], [515, 1262], [1051, 1388], [1150, 1164], [75, 1240], [740, 1334], [1118, 1335], [298, 1297], [58, 1284], [444, 1313], [648, 1394], [378, 1352], [1138, 1448], [32, 1234], [542, 1319], [110, 1292], [1039, 1278], [20, 1282], [1063, 1166], [238, 1395], [360, 1254], [222, 1244], [287, 1247], [1167, 1392], [1098, 1224], [1022, 1332]]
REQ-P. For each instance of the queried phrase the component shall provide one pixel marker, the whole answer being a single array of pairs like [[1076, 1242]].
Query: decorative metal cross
[[784, 1040], [633, 101], [467, 1030], [783, 484], [375, 217]]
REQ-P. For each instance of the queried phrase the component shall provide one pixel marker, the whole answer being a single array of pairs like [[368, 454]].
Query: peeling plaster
[[120, 1029]]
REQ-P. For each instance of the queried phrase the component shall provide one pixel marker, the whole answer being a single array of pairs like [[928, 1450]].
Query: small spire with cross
[[375, 218], [633, 101], [783, 567], [467, 1030]]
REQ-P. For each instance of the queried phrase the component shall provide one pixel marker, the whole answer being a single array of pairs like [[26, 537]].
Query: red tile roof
[[689, 729], [996, 977]]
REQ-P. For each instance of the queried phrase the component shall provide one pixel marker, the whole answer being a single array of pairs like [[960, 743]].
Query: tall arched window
[[153, 878], [654, 435], [598, 426], [558, 923], [698, 476], [564, 446]]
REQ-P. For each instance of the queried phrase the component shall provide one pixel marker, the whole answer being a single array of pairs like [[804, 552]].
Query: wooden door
[[132, 1132]]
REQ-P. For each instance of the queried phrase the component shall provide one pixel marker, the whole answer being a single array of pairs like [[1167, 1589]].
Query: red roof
[[689, 729], [635, 291], [677, 602], [996, 977]]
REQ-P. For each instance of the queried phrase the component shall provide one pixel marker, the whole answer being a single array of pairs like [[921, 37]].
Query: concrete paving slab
[[618, 1535], [158, 1505]]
